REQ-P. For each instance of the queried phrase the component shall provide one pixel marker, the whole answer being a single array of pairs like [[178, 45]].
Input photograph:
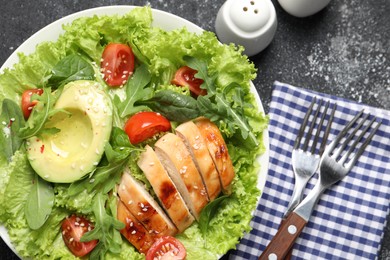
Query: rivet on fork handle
[[284, 238]]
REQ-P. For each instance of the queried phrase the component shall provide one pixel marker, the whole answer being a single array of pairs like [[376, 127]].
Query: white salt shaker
[[303, 8], [249, 23]]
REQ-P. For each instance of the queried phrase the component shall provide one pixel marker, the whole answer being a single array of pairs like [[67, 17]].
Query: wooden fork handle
[[289, 253], [284, 239]]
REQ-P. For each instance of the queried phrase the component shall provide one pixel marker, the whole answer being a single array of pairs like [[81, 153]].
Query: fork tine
[[313, 122], [321, 123], [304, 123], [327, 130], [364, 145], [349, 137], [334, 143]]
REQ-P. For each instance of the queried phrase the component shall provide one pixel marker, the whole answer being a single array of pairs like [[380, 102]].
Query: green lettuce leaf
[[31, 71], [11, 120], [21, 176], [4, 177]]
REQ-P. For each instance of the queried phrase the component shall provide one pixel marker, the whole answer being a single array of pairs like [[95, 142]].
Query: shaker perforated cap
[[250, 16], [249, 23]]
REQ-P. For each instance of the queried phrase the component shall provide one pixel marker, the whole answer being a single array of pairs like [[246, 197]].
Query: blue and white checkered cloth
[[349, 220]]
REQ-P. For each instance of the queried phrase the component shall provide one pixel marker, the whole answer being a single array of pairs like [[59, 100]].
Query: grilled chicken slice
[[144, 208], [178, 162], [134, 231], [197, 146], [165, 189], [218, 151]]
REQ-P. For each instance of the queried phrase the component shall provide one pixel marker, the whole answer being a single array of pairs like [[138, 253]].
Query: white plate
[[161, 19]]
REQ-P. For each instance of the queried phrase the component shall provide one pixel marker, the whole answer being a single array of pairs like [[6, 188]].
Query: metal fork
[[338, 159], [305, 160]]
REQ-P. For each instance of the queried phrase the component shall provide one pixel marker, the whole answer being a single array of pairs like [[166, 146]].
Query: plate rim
[[159, 16]]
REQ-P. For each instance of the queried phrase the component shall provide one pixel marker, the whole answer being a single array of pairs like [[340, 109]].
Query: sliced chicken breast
[[144, 208], [218, 151], [165, 189], [197, 146], [134, 231], [178, 162]]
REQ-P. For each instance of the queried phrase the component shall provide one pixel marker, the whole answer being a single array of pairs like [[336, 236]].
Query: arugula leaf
[[72, 67], [208, 213], [112, 206], [108, 176], [103, 178], [173, 105], [217, 106], [106, 229], [39, 203], [201, 67], [237, 121], [11, 120], [117, 153], [136, 89], [42, 111]]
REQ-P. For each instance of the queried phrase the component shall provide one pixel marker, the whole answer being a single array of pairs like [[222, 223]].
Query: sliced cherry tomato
[[185, 76], [167, 247], [117, 64], [144, 125], [27, 103], [73, 228]]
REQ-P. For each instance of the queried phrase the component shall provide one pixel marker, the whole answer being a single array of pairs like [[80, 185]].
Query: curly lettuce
[[163, 52]]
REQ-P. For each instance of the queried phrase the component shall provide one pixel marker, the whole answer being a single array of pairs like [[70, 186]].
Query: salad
[[177, 75]]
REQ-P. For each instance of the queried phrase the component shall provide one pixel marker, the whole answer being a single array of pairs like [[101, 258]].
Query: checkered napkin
[[349, 220]]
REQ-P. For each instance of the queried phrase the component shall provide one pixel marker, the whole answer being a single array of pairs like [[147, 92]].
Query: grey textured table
[[343, 50]]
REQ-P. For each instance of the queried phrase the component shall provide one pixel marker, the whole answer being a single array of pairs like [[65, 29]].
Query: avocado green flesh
[[79, 133], [85, 122]]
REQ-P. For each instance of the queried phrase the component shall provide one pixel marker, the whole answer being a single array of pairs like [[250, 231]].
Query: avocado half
[[85, 128]]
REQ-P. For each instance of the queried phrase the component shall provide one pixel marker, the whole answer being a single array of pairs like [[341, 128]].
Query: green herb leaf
[[136, 89], [106, 228], [208, 213], [201, 67], [39, 203], [114, 155], [217, 106], [103, 178], [40, 114], [72, 67], [11, 120], [108, 176], [209, 109], [119, 138], [113, 205], [173, 105]]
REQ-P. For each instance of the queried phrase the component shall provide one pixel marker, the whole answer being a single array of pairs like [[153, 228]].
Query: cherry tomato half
[[117, 64], [185, 76], [144, 125], [167, 247], [73, 228], [27, 103]]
